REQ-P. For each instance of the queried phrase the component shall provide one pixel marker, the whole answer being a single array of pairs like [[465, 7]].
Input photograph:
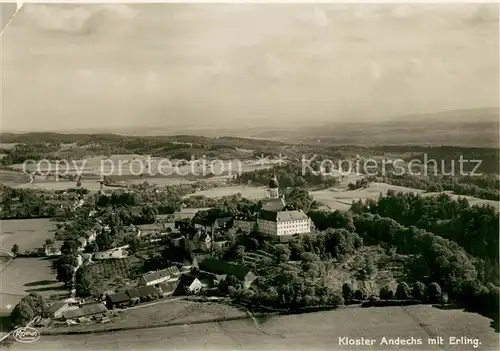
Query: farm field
[[21, 276], [169, 310], [29, 234], [123, 165], [312, 331], [249, 192], [110, 274], [12, 178]]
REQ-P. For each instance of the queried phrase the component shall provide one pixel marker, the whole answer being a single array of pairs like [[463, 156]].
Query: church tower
[[273, 187]]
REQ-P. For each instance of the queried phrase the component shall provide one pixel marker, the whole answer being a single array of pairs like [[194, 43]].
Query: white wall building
[[276, 220], [284, 223]]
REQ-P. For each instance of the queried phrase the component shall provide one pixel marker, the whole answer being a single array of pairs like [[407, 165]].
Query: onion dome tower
[[273, 187]]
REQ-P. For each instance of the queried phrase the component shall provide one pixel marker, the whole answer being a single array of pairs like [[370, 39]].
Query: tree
[[22, 313], [403, 291], [91, 247], [240, 251], [347, 291], [104, 241], [82, 282], [49, 243], [361, 294], [418, 291], [69, 247], [282, 253], [15, 249], [434, 293], [134, 244], [65, 273], [386, 293]]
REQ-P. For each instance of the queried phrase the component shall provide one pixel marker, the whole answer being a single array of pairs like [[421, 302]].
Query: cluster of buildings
[[275, 218]]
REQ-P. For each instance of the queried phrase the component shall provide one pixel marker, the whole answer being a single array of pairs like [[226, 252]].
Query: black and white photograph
[[249, 175]]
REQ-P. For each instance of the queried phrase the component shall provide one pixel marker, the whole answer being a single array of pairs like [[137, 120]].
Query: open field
[[21, 276], [12, 178], [249, 192], [123, 165], [169, 310], [29, 234], [313, 331]]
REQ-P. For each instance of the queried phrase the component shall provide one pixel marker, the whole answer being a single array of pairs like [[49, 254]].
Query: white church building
[[275, 219]]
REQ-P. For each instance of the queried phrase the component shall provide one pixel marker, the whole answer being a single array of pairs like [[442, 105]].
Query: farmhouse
[[153, 278], [168, 287], [221, 269], [54, 249], [142, 291], [130, 296], [56, 309], [85, 311], [118, 299], [189, 284]]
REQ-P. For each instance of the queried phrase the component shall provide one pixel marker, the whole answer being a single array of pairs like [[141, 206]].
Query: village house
[[54, 249], [131, 296], [117, 300], [221, 269], [168, 287], [82, 242], [153, 278], [201, 242], [189, 284]]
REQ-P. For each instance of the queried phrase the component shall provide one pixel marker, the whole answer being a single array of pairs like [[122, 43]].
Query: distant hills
[[472, 128]]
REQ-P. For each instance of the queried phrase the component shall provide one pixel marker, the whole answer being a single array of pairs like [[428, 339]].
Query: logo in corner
[[26, 335]]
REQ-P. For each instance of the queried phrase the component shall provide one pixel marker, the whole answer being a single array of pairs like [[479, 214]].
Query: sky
[[107, 66]]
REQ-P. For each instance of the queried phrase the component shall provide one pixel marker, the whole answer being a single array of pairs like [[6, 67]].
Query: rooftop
[[220, 267], [164, 273], [274, 205], [284, 216], [56, 306]]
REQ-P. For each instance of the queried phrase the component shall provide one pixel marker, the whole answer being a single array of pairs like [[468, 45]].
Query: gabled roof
[[187, 279], [284, 216], [169, 286], [221, 222], [220, 267], [56, 306], [146, 290], [119, 297], [164, 273], [274, 205]]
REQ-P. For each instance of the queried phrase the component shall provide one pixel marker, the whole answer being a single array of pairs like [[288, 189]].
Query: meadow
[[28, 234], [249, 192], [312, 331], [21, 276]]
